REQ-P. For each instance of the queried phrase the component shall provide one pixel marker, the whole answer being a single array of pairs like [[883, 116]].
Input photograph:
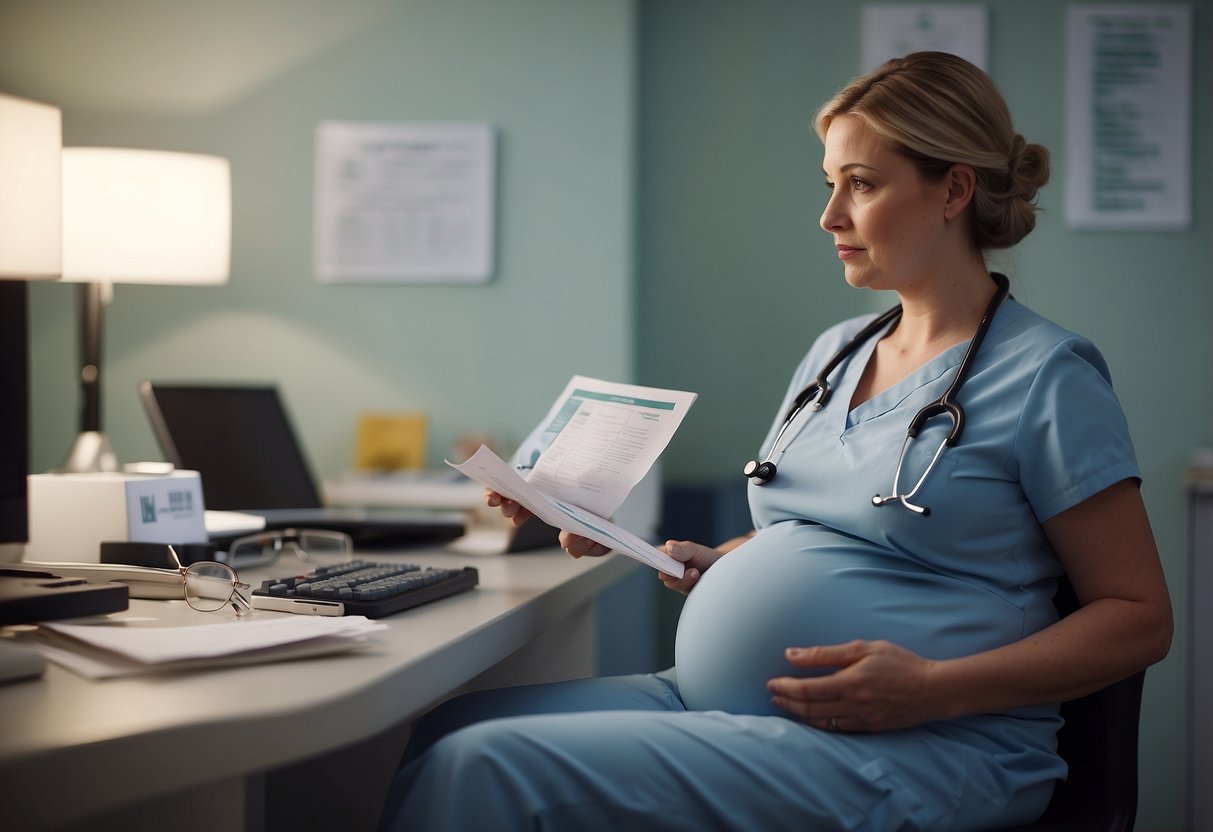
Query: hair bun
[[1028, 167]]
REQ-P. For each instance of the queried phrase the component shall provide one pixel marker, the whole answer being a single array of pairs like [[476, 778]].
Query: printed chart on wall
[[1128, 117], [891, 30], [404, 202]]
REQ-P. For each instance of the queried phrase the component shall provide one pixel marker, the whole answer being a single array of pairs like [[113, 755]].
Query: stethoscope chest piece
[[760, 473]]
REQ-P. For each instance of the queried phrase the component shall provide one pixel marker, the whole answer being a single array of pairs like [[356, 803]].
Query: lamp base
[[90, 453]]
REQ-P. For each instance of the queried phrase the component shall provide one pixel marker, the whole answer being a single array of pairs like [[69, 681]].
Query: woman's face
[[886, 220]]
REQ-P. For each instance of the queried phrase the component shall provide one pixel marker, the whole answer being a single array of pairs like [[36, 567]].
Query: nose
[[834, 217]]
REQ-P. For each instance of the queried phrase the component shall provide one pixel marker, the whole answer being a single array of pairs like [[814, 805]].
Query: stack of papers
[[109, 648]]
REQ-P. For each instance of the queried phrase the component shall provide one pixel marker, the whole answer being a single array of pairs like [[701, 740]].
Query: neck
[[942, 312]]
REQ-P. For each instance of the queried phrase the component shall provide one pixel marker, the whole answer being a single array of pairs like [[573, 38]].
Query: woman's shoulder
[[1033, 340]]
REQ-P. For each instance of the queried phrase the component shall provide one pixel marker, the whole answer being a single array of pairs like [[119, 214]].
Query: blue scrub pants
[[623, 753]]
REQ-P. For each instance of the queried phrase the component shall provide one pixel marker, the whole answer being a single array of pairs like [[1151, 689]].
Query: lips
[[845, 252]]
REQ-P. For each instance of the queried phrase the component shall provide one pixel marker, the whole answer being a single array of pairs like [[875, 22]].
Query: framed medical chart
[[892, 30], [404, 202], [1128, 117]]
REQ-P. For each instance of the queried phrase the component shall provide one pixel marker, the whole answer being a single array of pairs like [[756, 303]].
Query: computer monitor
[[14, 414]]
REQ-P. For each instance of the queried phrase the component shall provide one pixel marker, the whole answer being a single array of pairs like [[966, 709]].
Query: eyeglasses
[[210, 586], [266, 547]]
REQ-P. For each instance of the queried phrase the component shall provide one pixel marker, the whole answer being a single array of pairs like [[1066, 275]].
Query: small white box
[[72, 514]]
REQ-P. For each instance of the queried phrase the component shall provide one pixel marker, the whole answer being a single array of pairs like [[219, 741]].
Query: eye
[[860, 185], [829, 184]]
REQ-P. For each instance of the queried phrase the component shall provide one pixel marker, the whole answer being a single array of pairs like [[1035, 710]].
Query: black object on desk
[[29, 596], [156, 554]]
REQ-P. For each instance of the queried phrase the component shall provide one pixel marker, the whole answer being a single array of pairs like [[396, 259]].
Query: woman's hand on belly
[[878, 687]]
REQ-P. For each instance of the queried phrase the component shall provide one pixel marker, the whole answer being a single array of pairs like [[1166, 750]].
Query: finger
[[515, 512], [833, 655], [682, 550], [579, 546], [689, 578], [824, 717], [833, 724], [814, 690]]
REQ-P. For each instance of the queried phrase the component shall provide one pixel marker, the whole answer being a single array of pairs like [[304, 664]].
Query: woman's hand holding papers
[[697, 558], [574, 544], [512, 511]]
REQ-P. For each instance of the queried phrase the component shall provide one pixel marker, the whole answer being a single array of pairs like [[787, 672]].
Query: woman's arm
[[1124, 624]]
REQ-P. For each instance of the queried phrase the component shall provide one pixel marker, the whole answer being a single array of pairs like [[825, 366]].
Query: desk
[[192, 751]]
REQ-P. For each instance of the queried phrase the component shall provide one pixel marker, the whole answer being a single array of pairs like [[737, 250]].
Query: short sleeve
[[1072, 440]]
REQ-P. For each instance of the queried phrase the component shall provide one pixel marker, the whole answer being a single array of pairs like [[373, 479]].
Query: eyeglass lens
[[264, 548], [209, 586]]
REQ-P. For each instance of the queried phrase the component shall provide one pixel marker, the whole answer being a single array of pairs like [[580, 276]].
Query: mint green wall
[[557, 81], [735, 278], [708, 274]]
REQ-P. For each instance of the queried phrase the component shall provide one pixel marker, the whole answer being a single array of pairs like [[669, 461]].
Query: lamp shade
[[30, 191], [145, 216]]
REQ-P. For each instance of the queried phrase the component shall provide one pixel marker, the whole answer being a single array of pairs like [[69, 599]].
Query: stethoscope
[[815, 396]]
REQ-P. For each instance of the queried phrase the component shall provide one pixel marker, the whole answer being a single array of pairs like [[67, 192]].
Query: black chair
[[1099, 743]]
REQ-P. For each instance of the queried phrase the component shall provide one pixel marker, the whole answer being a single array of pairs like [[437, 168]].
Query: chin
[[858, 278], [866, 277]]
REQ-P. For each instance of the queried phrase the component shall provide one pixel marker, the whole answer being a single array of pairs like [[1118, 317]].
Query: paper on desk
[[110, 649], [600, 438], [490, 470]]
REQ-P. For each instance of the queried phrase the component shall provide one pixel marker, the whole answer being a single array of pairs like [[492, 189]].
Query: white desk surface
[[70, 747]]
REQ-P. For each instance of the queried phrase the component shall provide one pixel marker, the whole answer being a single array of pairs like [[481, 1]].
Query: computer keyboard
[[361, 587]]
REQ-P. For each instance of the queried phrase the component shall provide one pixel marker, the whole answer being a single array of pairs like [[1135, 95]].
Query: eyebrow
[[851, 166]]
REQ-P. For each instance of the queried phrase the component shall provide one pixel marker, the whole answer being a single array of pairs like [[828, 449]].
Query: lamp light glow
[[135, 216], [145, 216], [30, 191]]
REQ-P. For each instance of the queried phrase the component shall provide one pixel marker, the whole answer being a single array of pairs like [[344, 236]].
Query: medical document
[[597, 442]]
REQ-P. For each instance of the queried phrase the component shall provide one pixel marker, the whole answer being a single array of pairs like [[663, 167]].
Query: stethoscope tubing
[[818, 392]]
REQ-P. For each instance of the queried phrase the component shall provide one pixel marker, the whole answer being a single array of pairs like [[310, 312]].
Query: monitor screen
[[14, 412], [238, 438]]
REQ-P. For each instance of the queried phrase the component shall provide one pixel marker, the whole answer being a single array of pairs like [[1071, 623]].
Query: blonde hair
[[940, 110]]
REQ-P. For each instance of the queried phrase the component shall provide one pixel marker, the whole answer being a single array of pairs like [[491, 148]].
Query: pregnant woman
[[882, 652]]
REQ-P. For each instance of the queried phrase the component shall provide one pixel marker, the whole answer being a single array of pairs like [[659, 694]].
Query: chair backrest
[[1099, 743]]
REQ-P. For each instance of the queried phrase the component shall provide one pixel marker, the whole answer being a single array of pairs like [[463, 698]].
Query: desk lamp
[[30, 249], [135, 216]]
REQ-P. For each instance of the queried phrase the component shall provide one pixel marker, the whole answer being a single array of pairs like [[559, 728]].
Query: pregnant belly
[[797, 585]]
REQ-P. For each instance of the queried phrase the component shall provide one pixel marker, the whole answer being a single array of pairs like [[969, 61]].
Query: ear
[[962, 183]]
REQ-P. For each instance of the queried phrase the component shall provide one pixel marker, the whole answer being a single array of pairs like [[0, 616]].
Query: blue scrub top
[[1043, 432]]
